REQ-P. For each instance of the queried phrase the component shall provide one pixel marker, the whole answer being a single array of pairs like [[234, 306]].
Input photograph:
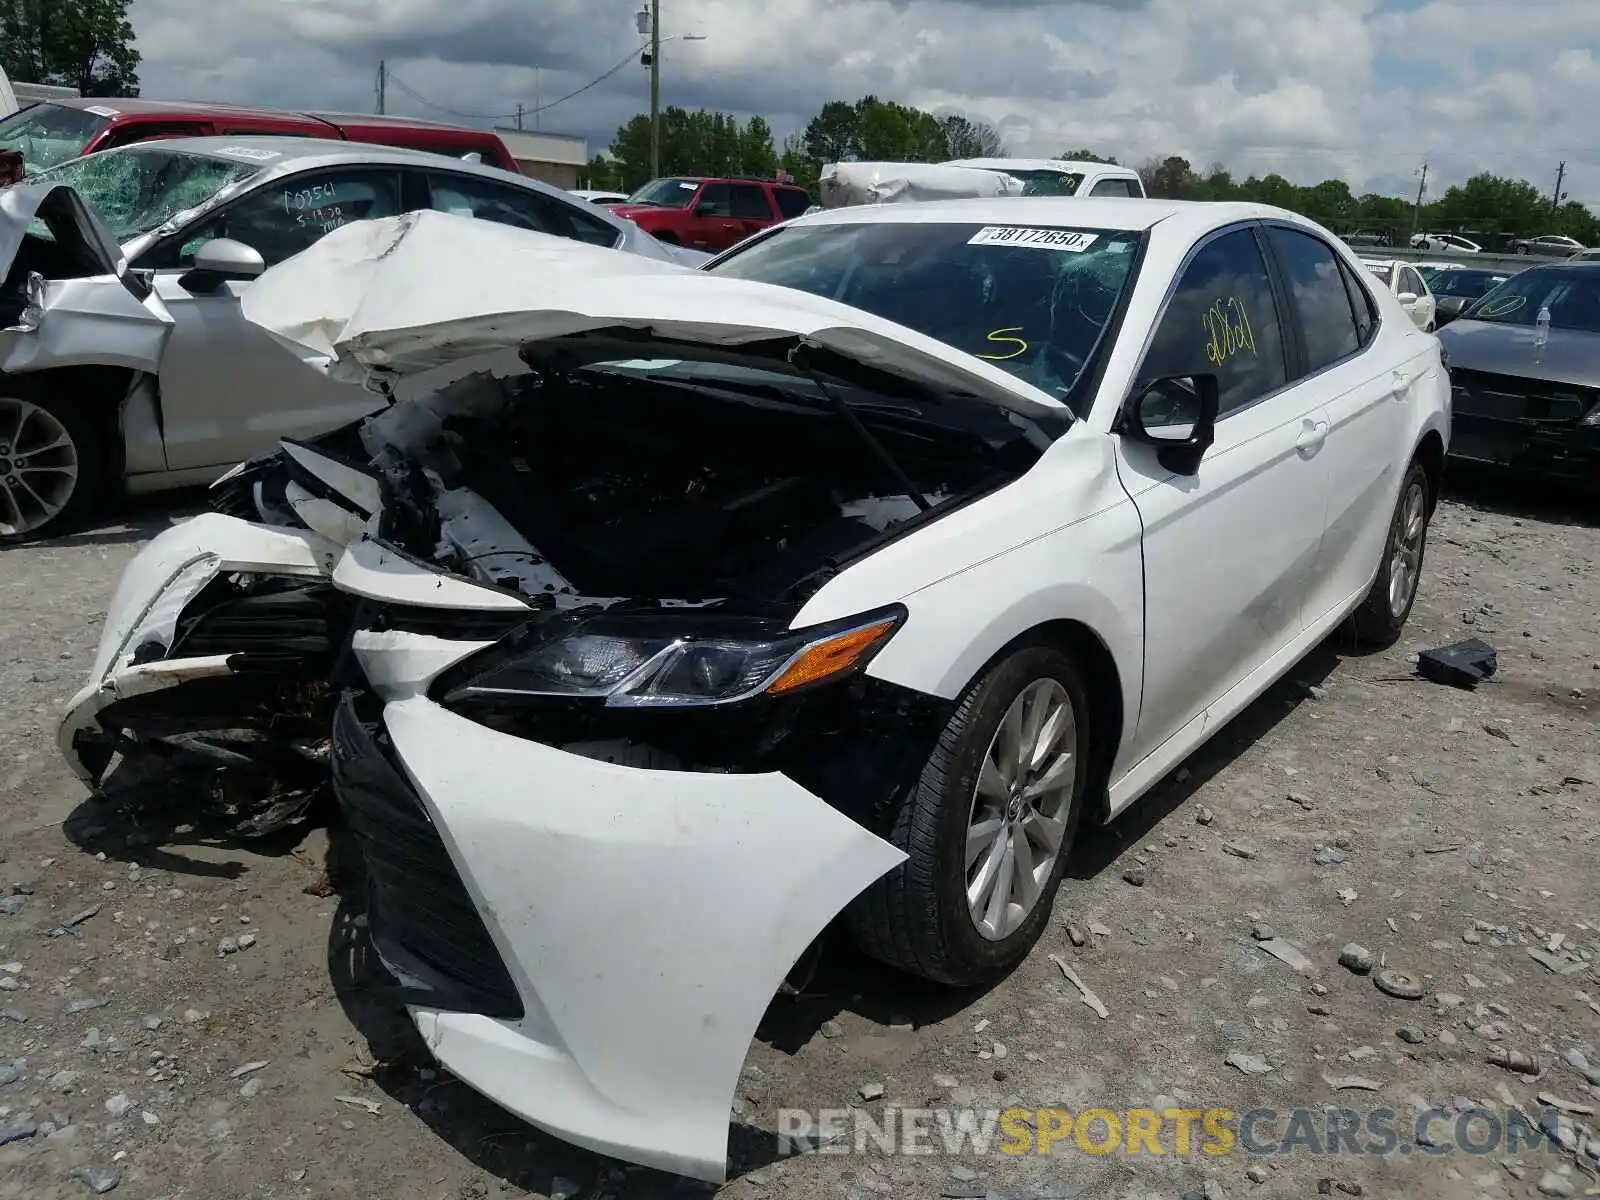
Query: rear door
[[1228, 551], [1368, 396], [228, 390]]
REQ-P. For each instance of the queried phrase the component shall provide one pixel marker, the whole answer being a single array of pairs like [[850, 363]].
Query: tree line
[[1491, 209], [83, 44]]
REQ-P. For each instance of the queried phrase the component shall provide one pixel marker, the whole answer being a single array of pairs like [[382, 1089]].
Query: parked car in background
[[126, 359], [50, 133], [852, 577], [1552, 245], [1455, 289], [711, 214], [1409, 287], [1586, 256], [600, 197], [1525, 373], [1445, 241], [1062, 177], [1370, 237]]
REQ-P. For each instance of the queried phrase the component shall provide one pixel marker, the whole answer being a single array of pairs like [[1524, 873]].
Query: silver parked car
[[124, 359]]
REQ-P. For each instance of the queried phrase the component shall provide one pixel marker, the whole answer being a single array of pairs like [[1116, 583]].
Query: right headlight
[[632, 668]]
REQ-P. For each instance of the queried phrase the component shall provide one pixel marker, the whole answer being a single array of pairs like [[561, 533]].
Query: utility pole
[[519, 115], [655, 89], [1416, 209], [383, 83], [1555, 196]]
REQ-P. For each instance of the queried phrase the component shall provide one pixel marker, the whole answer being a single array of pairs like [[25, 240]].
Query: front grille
[[421, 919], [1515, 398]]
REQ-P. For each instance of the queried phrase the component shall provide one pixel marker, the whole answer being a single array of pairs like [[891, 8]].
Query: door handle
[[1312, 436], [1401, 385]]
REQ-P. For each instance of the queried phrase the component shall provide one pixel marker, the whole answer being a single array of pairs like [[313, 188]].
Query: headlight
[[1592, 420], [629, 670]]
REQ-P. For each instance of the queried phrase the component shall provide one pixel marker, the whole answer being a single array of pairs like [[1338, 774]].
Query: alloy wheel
[[1020, 807], [38, 466], [1405, 562]]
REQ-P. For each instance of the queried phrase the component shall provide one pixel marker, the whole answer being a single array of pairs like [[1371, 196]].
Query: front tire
[[52, 461], [988, 827], [1383, 613]]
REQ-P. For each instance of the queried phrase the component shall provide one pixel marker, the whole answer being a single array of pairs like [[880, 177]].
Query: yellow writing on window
[[1228, 331], [999, 338]]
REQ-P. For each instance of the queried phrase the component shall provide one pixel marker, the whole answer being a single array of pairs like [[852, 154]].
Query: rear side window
[[1326, 316], [524, 208], [1361, 303], [792, 202], [1222, 320], [1113, 187]]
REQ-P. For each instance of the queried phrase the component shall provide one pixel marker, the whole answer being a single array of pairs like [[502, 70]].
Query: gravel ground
[[1449, 833]]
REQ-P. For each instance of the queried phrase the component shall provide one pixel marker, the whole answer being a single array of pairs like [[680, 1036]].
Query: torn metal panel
[[88, 322]]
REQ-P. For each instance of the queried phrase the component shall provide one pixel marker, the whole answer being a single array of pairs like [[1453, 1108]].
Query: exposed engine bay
[[619, 482]]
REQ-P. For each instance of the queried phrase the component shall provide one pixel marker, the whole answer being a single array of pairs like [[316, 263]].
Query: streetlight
[[648, 21]]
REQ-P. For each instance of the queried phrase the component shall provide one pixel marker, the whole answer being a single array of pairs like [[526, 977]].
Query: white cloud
[[1361, 89]]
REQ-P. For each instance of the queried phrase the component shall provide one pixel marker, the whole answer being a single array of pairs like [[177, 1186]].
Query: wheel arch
[[1430, 453], [99, 390]]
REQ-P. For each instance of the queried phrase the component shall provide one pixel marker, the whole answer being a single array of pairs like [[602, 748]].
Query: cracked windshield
[[139, 189]]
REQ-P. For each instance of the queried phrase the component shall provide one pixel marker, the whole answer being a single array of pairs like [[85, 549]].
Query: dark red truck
[[711, 214], [54, 131]]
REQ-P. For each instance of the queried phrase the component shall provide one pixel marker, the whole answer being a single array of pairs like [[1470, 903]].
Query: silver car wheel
[[1020, 807], [1405, 563], [38, 466]]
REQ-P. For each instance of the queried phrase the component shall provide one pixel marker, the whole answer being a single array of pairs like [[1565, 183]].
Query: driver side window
[[1222, 320]]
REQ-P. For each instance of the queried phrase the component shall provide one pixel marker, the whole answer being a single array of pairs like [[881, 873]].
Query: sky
[[1363, 90]]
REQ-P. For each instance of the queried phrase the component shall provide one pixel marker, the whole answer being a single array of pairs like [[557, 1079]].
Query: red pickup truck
[[711, 214], [54, 131]]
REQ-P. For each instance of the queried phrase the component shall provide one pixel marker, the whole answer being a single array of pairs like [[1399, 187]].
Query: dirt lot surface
[[1451, 834]]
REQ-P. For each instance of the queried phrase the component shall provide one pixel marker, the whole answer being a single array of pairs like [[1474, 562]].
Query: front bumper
[[588, 944], [1559, 451], [150, 597]]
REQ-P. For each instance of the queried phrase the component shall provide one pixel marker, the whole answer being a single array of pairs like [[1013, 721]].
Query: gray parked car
[[124, 358]]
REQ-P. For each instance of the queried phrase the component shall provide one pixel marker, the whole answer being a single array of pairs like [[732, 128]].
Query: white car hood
[[67, 213], [410, 294]]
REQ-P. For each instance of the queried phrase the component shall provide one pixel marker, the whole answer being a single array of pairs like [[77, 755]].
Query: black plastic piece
[[422, 922], [1460, 664]]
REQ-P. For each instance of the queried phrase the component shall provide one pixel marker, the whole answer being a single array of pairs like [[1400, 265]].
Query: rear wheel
[[52, 461], [1383, 613], [987, 829]]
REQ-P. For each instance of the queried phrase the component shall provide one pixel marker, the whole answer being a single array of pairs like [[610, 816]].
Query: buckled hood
[[415, 293]]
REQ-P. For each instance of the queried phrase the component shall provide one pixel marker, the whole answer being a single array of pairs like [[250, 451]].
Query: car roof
[[1120, 213], [390, 121], [1066, 166], [139, 106], [299, 153]]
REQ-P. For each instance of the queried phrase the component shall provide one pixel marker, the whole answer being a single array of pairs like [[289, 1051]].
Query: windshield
[[1572, 296], [1468, 284], [141, 188], [47, 134], [1046, 182], [1034, 302], [666, 193]]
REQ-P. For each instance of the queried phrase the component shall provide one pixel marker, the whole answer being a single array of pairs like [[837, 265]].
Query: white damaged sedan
[[688, 611]]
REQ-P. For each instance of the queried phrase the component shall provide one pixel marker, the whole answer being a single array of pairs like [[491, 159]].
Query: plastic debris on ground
[[1460, 664]]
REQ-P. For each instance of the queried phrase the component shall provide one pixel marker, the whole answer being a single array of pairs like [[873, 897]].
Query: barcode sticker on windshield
[[100, 110], [1039, 239]]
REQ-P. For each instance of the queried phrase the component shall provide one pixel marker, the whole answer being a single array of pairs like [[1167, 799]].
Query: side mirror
[[221, 260], [1407, 299], [1177, 415], [706, 210]]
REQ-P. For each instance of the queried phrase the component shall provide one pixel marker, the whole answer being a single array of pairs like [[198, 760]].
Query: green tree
[[694, 142], [1086, 156], [83, 44], [967, 138]]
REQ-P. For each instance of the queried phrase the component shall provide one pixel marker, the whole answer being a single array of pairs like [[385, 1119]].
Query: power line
[[525, 110]]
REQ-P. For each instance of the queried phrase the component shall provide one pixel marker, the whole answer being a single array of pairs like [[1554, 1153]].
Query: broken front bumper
[[590, 945], [154, 590]]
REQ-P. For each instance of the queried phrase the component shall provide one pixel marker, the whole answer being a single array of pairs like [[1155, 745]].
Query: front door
[[1228, 551], [228, 389], [714, 227], [751, 208]]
